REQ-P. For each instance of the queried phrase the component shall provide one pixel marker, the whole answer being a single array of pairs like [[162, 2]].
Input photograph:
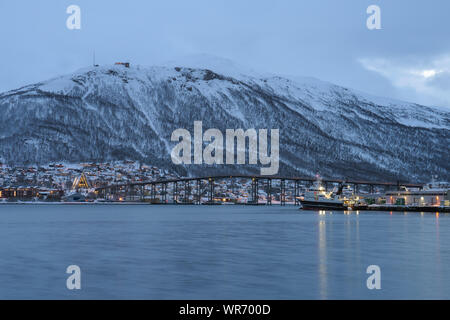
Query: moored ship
[[317, 198]]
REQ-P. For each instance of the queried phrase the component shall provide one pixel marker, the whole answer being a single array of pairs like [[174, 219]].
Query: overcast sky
[[408, 59]]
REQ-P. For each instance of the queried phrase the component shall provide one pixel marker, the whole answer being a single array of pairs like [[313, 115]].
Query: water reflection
[[322, 259], [224, 252]]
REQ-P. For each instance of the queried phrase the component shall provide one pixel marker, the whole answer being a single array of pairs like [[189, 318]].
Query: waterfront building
[[431, 197], [30, 193], [18, 193]]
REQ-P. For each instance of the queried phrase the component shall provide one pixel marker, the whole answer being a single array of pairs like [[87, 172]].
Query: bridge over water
[[195, 190]]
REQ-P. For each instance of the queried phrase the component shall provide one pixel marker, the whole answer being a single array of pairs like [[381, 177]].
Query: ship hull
[[321, 205]]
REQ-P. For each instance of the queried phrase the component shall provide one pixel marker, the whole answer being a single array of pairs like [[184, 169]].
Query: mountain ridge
[[113, 113]]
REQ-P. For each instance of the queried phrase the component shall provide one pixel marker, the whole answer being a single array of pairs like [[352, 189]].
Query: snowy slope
[[113, 113]]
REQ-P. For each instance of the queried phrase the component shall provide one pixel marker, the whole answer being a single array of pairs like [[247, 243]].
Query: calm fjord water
[[220, 252]]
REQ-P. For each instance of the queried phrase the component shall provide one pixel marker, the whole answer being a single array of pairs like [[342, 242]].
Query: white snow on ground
[[220, 65], [60, 85], [319, 95]]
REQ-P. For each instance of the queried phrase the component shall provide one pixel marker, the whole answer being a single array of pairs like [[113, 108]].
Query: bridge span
[[209, 189]]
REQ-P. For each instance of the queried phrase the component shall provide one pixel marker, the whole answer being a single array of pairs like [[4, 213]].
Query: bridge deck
[[257, 177]]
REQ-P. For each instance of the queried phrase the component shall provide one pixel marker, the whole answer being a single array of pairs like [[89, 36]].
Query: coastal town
[[52, 182], [88, 183]]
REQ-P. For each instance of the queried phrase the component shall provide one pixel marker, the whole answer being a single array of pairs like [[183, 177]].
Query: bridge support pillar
[[283, 192], [175, 192], [153, 192], [255, 190], [199, 191], [164, 192], [186, 191], [211, 190]]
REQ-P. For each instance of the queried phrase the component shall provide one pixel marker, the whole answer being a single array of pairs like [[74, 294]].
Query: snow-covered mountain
[[115, 113]]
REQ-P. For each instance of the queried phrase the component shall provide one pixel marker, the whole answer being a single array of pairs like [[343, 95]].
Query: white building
[[431, 197]]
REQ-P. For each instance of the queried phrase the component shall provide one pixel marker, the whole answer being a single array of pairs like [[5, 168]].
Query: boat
[[316, 198]]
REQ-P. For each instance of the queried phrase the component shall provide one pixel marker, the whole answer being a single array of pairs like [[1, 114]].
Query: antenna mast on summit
[[95, 65]]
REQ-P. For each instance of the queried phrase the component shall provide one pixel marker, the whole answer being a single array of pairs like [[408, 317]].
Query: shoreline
[[356, 209]]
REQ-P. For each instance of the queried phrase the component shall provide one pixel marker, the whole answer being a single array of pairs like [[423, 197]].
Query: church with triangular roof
[[81, 182]]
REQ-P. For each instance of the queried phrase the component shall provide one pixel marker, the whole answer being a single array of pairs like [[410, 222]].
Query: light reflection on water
[[323, 258], [221, 252]]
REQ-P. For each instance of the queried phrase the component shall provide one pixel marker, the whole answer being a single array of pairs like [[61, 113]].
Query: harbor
[[129, 182]]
